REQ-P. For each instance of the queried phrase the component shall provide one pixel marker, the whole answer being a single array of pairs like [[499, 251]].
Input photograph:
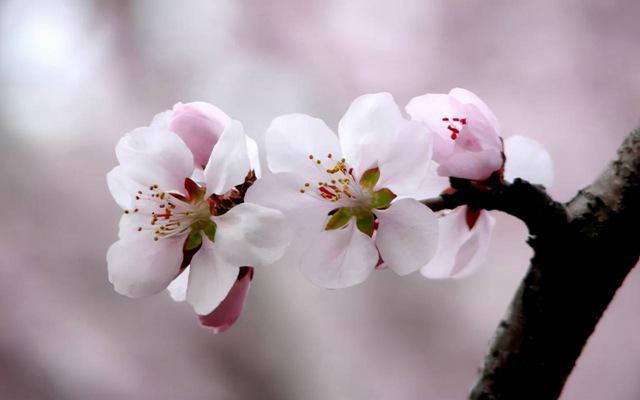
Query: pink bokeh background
[[76, 75]]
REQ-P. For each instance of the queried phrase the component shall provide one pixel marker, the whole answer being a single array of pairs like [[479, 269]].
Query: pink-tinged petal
[[139, 266], [228, 312], [408, 159], [282, 192], [339, 258], [407, 235], [472, 165], [464, 96], [368, 128], [290, 139], [250, 234], [153, 156], [210, 279], [432, 184], [229, 163], [122, 187], [200, 125], [178, 287], [461, 250], [430, 109], [467, 142], [527, 159]]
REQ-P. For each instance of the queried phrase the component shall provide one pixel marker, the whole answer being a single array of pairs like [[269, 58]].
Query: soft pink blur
[[76, 75]]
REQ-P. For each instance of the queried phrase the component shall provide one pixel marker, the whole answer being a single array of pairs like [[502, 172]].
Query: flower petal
[[178, 287], [254, 156], [210, 279], [430, 109], [464, 96], [282, 192], [407, 235], [153, 156], [199, 125], [228, 312], [432, 184], [476, 165], [340, 258], [527, 159], [229, 163], [460, 250], [366, 130], [251, 235], [140, 266], [290, 140], [122, 187], [408, 159]]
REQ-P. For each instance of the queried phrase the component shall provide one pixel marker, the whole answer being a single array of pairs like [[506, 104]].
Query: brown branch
[[582, 252]]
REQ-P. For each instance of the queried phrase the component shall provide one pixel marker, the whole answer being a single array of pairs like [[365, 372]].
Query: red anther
[[463, 121], [165, 215], [456, 119], [454, 136], [326, 192], [445, 119], [453, 129]]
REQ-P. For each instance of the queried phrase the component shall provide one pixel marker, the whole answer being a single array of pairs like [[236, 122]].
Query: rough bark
[[583, 250]]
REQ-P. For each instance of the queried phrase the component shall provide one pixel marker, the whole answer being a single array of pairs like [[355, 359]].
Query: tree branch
[[582, 253]]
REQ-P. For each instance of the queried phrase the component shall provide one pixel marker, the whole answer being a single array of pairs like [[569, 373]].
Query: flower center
[[354, 198], [337, 183], [170, 214], [455, 125]]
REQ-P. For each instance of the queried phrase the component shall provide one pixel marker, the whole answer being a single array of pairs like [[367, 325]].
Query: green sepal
[[339, 219], [369, 179], [365, 223], [210, 230], [382, 198], [193, 241]]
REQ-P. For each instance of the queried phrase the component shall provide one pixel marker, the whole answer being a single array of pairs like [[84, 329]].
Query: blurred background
[[75, 75]]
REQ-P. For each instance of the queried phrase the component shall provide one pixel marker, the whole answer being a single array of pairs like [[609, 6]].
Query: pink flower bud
[[199, 125], [228, 312]]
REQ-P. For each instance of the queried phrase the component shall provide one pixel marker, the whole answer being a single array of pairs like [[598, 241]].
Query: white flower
[[343, 195], [176, 213]]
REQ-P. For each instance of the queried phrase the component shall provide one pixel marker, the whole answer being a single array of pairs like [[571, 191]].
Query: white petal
[[476, 165], [140, 266], [122, 187], [466, 97], [154, 156], [178, 287], [340, 258], [251, 235], [282, 192], [210, 279], [407, 235], [527, 159], [408, 159], [229, 163], [254, 156], [430, 109], [290, 140], [432, 184], [368, 128], [460, 250], [162, 120]]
